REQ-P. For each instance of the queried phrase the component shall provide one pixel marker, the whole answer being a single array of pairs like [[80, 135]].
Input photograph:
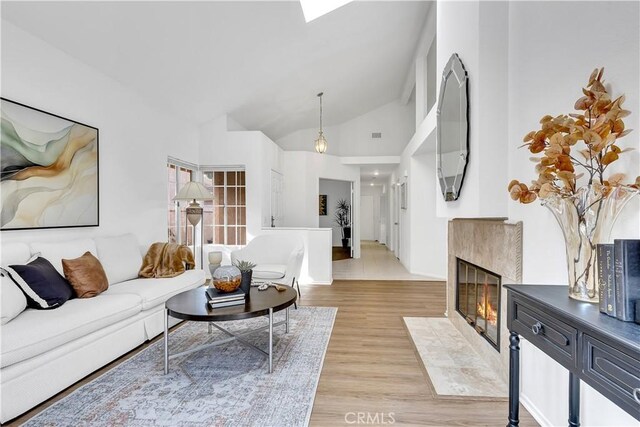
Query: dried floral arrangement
[[587, 141]]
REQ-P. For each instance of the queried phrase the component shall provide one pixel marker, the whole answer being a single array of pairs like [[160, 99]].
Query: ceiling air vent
[[376, 135]]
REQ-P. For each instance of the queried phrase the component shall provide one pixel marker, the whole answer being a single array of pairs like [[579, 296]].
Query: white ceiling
[[257, 61], [376, 173]]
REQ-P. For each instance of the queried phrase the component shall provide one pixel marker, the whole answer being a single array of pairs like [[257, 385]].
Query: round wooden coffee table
[[193, 305]]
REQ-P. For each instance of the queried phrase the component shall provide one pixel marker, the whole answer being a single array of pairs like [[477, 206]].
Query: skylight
[[313, 9]]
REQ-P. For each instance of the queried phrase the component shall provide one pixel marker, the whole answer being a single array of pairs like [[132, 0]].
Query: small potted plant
[[246, 269], [342, 217]]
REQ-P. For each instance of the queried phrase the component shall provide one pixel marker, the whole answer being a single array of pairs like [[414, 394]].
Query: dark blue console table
[[595, 348]]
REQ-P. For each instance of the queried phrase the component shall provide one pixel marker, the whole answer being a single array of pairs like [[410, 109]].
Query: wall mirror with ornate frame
[[452, 146]]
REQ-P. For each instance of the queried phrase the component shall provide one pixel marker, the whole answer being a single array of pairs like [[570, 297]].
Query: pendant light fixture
[[321, 142]]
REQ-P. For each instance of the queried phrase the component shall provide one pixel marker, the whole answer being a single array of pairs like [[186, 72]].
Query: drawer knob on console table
[[537, 328], [636, 394]]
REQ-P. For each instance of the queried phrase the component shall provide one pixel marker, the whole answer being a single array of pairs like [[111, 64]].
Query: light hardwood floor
[[376, 262], [371, 366]]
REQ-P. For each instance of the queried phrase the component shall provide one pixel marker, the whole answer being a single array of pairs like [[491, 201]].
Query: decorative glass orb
[[227, 278]]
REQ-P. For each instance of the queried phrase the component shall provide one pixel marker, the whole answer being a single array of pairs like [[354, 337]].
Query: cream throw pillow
[[12, 300], [120, 256]]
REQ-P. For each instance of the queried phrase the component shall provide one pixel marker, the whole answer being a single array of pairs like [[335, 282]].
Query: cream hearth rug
[[453, 366], [221, 386]]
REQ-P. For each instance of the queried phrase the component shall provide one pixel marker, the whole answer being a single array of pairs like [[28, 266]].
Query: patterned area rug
[[222, 386]]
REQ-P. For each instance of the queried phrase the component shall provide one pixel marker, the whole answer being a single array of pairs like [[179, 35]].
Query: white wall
[[536, 89], [482, 47], [353, 138], [511, 85], [422, 233], [419, 87], [378, 213], [428, 232], [432, 76], [251, 150], [334, 190], [303, 171], [221, 146], [385, 212], [135, 137], [368, 217], [317, 264], [403, 216]]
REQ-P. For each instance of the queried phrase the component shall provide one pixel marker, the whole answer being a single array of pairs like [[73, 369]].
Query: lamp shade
[[194, 191]]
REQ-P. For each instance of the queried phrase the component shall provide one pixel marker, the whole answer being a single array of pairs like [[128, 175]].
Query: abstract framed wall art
[[49, 168], [322, 205]]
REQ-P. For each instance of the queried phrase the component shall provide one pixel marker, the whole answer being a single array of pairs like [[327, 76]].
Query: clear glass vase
[[586, 219]]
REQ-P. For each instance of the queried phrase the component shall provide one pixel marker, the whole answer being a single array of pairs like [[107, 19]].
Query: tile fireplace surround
[[496, 245]]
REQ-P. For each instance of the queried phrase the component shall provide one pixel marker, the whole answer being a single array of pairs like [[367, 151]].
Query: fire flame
[[488, 312]]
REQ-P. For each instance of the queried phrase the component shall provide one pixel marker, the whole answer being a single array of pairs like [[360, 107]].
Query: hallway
[[377, 262]]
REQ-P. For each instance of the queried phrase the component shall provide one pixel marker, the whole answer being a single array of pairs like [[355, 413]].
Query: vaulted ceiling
[[259, 62]]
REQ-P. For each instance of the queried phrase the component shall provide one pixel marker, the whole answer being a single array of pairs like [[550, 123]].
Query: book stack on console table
[[619, 279]]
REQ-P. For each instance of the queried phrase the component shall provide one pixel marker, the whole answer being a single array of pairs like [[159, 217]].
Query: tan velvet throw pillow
[[86, 275]]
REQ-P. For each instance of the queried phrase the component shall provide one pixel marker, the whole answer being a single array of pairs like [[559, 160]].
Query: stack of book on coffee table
[[219, 299]]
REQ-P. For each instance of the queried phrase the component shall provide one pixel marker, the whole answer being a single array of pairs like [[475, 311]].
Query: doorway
[[277, 185], [335, 211], [396, 220], [367, 218]]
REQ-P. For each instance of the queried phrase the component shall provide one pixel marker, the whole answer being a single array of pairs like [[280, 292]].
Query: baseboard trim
[[320, 283], [429, 277], [534, 411]]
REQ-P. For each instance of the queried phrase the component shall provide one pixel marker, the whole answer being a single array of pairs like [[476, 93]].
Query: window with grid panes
[[177, 218], [225, 218]]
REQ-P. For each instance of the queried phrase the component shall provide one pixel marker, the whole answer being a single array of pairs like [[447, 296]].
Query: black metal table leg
[[574, 400], [514, 380]]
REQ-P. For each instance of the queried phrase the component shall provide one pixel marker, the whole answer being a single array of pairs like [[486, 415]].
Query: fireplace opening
[[478, 300]]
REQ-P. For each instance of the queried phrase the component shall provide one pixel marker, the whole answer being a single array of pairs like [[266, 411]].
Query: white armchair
[[278, 258]]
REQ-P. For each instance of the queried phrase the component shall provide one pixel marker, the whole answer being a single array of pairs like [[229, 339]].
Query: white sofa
[[42, 352]]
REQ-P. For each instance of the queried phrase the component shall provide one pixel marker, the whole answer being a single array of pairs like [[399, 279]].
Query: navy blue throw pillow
[[43, 286]]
